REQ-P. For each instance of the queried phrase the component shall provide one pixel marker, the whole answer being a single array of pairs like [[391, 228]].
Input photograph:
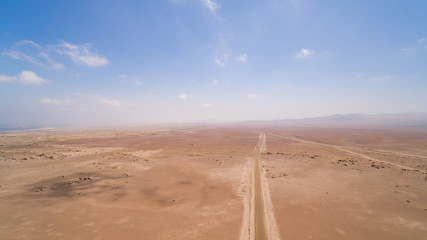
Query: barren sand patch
[[195, 183]]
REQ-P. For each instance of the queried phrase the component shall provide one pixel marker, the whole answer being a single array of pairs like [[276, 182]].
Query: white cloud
[[96, 98], [51, 63], [304, 53], [383, 78], [185, 96], [57, 66], [108, 101], [219, 62], [242, 58], [32, 52], [29, 51], [68, 101], [211, 5], [50, 101], [31, 78], [222, 52], [252, 95], [82, 54], [25, 77], [5, 78], [412, 48], [134, 79], [358, 75], [29, 42], [137, 82], [20, 56], [215, 82], [207, 105]]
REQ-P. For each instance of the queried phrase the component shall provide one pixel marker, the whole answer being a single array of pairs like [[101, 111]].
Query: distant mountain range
[[6, 128], [384, 120]]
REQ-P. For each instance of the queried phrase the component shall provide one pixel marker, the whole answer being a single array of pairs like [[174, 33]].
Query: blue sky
[[166, 61]]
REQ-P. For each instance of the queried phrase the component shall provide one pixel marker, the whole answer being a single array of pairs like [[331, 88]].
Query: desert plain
[[197, 182]]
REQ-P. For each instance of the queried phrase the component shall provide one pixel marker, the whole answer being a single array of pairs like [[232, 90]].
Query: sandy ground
[[194, 183], [130, 184], [348, 184]]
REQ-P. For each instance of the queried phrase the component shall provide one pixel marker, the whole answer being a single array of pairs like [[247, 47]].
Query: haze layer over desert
[[197, 183]]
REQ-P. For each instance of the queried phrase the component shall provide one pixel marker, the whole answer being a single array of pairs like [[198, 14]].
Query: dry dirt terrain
[[195, 183], [348, 184], [124, 184]]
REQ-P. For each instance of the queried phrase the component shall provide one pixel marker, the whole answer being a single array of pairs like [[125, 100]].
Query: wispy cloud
[[211, 5], [31, 78], [242, 58], [207, 105], [109, 101], [220, 62], [50, 101], [304, 53], [82, 54], [222, 53], [20, 56], [68, 101], [29, 42], [412, 48], [357, 75], [215, 82], [83, 99], [184, 96], [29, 51], [383, 78], [5, 78], [407, 49], [51, 63], [252, 96], [134, 79]]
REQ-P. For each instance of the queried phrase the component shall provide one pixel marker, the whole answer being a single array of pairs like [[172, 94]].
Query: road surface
[[260, 228]]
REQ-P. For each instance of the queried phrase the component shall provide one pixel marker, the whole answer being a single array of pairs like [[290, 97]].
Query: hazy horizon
[[184, 61], [353, 120]]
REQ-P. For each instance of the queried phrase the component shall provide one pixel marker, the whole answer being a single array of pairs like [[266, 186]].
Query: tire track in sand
[[345, 149]]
